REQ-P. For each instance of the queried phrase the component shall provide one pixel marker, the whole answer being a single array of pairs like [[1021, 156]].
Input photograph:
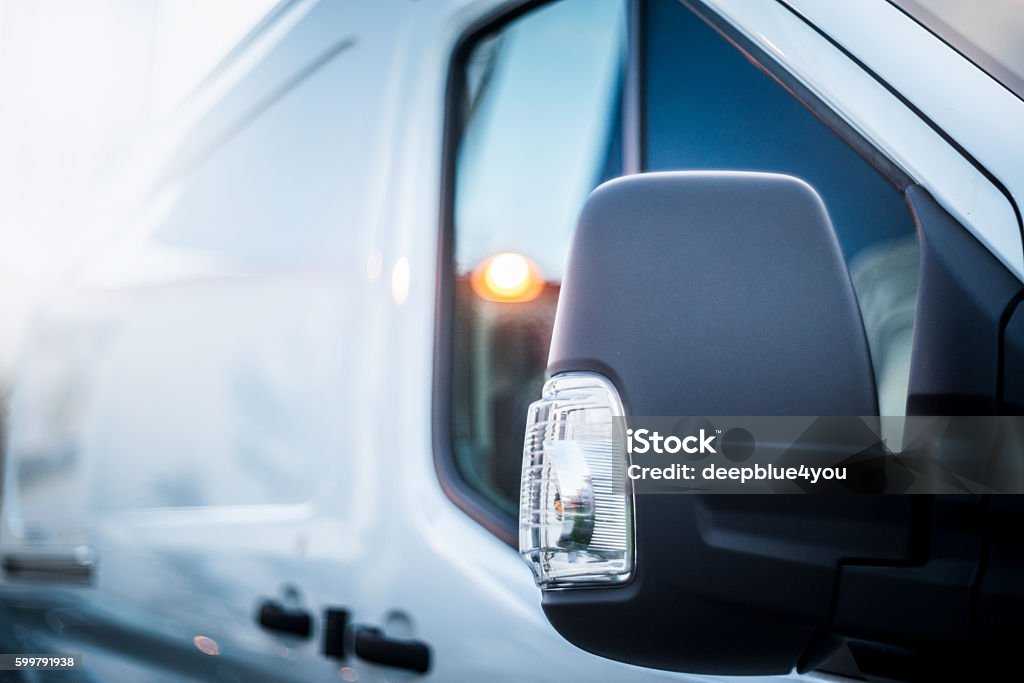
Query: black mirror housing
[[714, 293], [721, 293]]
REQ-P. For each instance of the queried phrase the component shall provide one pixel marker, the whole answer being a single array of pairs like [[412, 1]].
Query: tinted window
[[708, 107]]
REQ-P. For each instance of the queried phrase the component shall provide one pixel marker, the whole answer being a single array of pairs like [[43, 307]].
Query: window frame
[[455, 487]]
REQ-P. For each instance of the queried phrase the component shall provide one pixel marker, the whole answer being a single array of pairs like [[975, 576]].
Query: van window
[[542, 122], [707, 107], [541, 130]]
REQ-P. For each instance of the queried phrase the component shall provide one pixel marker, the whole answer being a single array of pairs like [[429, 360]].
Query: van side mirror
[[720, 293], [731, 284]]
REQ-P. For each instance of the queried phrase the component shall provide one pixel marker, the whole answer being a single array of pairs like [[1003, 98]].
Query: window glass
[[708, 107], [541, 130], [541, 127]]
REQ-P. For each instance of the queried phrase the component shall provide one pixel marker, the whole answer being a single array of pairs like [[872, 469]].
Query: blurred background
[[82, 86]]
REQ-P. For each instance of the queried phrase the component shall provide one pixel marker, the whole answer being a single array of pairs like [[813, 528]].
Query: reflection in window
[[542, 130]]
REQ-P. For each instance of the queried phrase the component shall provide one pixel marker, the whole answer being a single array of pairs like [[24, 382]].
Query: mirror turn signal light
[[576, 502]]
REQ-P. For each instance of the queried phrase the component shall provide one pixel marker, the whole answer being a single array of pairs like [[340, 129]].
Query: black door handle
[[372, 645], [74, 567], [295, 621]]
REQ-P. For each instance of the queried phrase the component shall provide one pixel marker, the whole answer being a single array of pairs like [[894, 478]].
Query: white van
[[274, 430]]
